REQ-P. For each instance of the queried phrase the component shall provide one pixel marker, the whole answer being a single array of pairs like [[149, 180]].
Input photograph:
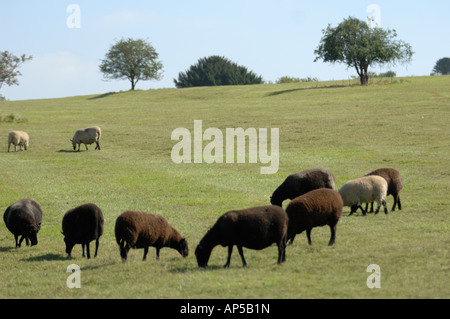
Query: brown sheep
[[23, 218], [140, 230], [253, 228], [318, 207], [395, 185], [300, 183]]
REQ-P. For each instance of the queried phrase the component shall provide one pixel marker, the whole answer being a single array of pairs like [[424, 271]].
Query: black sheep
[[82, 225], [253, 228], [395, 185], [24, 218], [300, 183]]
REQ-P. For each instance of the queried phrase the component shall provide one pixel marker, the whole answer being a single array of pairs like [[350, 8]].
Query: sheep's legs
[[145, 253], [397, 202], [383, 202], [308, 234], [98, 146], [333, 235], [18, 243], [230, 251], [241, 252], [87, 250], [124, 248], [96, 247], [282, 251]]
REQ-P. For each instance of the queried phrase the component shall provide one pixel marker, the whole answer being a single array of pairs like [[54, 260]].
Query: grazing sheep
[[140, 230], [395, 185], [364, 189], [18, 138], [253, 228], [24, 218], [318, 207], [87, 136], [82, 225], [300, 183]]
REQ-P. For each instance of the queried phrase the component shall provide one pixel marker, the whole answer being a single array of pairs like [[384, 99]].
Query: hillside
[[349, 129]]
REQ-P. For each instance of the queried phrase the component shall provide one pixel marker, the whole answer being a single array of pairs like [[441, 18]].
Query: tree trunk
[[364, 79]]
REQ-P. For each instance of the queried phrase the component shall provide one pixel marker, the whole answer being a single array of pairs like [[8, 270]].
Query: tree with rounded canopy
[[132, 60], [216, 70], [358, 46], [442, 66]]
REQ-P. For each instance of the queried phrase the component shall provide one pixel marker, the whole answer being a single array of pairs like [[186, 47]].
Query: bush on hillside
[[216, 70]]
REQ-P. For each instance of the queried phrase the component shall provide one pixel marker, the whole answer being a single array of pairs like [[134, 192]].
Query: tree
[[132, 60], [9, 64], [442, 66], [216, 70], [357, 45]]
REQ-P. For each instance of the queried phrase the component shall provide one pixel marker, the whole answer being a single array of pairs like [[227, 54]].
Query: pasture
[[350, 130]]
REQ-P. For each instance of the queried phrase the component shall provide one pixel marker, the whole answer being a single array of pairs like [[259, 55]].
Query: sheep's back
[[22, 215], [88, 135], [83, 223], [254, 228], [392, 177], [316, 208], [141, 229], [364, 189], [18, 137]]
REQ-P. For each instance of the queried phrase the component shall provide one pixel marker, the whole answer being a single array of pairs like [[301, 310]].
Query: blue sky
[[271, 38]]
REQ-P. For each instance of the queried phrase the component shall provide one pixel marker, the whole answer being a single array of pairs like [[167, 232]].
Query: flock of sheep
[[314, 202]]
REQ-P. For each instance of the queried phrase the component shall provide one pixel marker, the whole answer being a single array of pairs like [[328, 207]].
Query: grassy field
[[348, 129]]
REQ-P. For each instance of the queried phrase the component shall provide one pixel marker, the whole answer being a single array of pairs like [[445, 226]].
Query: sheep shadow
[[5, 249], [67, 151], [46, 257]]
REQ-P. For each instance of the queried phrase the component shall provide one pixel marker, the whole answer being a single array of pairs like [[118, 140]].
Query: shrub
[[216, 70]]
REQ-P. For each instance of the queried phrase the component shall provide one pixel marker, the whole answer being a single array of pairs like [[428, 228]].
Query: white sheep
[[18, 138], [86, 136], [364, 189]]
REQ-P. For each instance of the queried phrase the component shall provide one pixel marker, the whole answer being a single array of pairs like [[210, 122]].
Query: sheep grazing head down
[[69, 244], [183, 248], [202, 255]]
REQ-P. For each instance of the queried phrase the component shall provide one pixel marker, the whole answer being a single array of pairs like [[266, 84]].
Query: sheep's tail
[[99, 134]]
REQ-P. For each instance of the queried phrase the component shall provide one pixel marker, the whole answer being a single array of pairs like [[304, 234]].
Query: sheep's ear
[[62, 233]]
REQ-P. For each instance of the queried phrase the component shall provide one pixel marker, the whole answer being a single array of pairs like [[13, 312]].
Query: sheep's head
[[183, 248], [202, 255], [74, 144], [69, 245], [276, 201], [31, 233]]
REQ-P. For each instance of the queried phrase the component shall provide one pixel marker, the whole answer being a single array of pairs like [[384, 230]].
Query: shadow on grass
[[101, 96], [307, 88], [67, 151], [46, 257], [5, 249]]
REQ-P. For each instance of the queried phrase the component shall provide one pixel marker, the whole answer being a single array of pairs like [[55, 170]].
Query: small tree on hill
[[216, 70], [132, 60], [357, 45], [442, 66], [9, 65]]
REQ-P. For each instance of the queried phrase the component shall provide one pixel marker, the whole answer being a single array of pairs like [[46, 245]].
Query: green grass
[[348, 129]]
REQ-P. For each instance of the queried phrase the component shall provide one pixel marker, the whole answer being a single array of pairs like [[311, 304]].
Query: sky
[[271, 38]]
